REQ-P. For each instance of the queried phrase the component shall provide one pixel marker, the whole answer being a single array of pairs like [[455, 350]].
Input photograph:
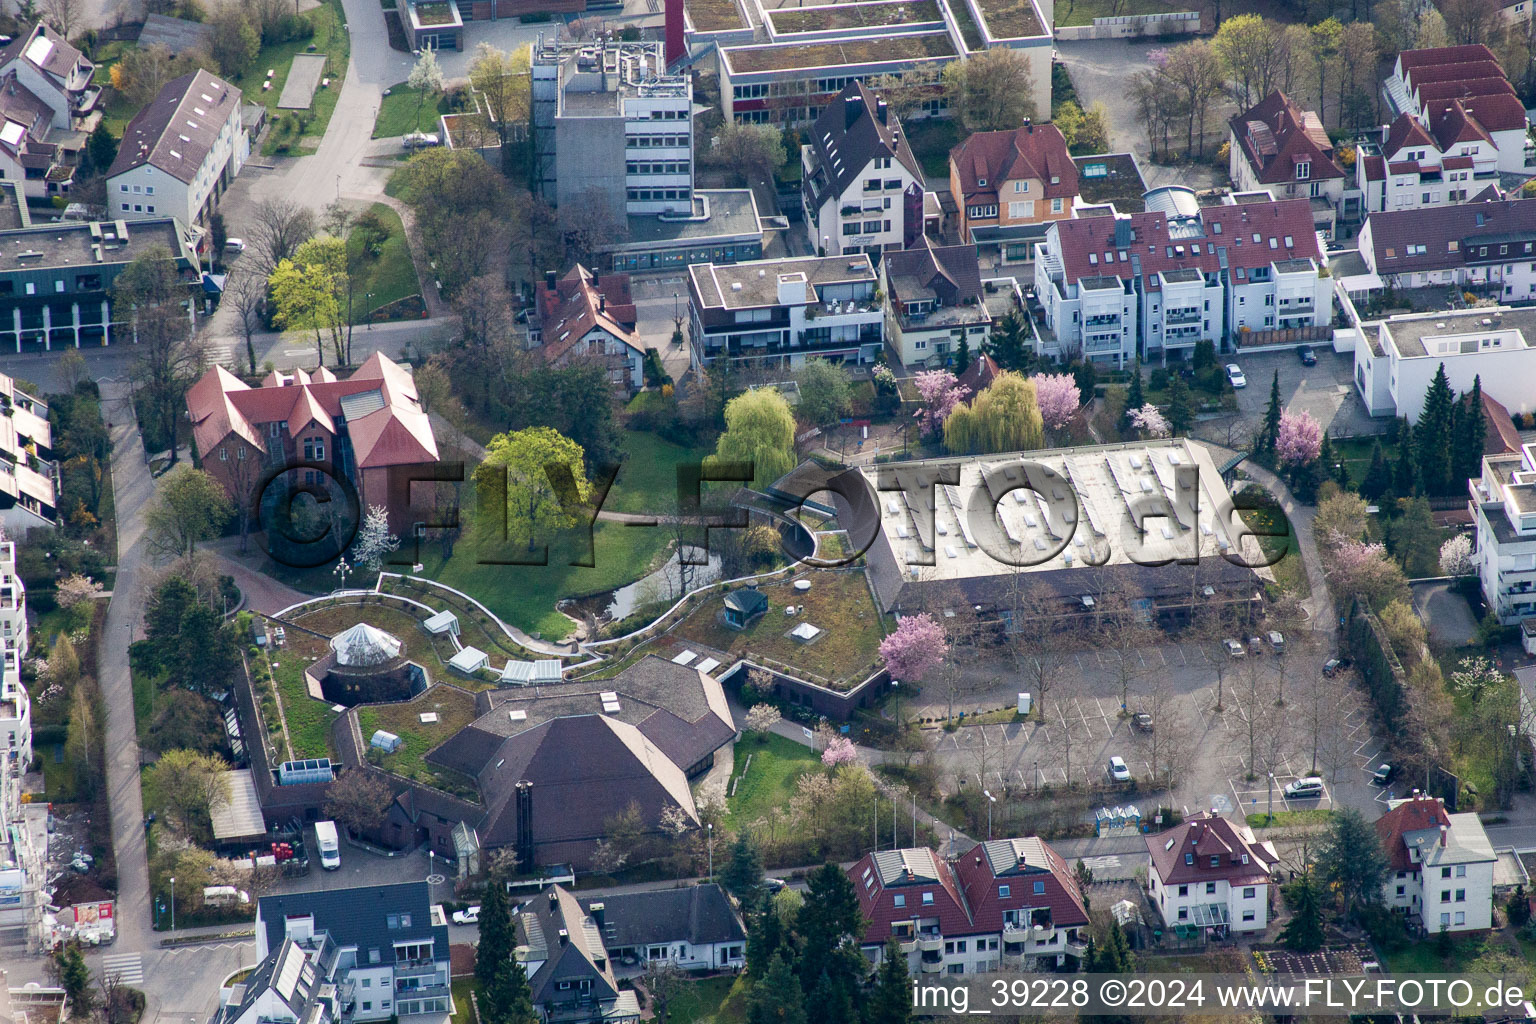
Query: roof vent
[[735, 286]]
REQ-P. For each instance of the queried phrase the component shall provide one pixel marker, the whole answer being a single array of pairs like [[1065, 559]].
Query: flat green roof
[[1010, 19], [858, 15], [799, 56], [714, 15]]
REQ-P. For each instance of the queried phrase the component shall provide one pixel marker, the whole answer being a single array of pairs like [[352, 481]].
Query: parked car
[[772, 884], [1308, 788], [1276, 641], [1383, 775], [1141, 721], [418, 140], [234, 246], [1118, 771], [1235, 376], [1333, 666], [469, 915], [1307, 354], [1256, 644], [1234, 647]]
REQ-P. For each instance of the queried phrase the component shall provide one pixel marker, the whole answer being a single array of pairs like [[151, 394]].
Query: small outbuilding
[[744, 605], [385, 741], [469, 661]]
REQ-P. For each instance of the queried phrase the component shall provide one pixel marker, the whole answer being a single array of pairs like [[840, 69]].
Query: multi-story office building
[[781, 312], [1503, 503], [611, 126], [1155, 283], [861, 186]]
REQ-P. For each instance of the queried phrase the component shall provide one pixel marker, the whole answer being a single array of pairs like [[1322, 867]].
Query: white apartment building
[[23, 849], [1397, 358], [1460, 95], [1441, 866], [180, 152], [29, 478], [611, 126], [13, 606], [1211, 874], [781, 312], [15, 703], [1486, 245], [1503, 503], [861, 185], [1155, 283], [1410, 169]]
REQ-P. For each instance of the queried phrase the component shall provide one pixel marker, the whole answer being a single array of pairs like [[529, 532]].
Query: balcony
[[1077, 949], [1182, 316], [1107, 320], [930, 944], [908, 947], [932, 968]]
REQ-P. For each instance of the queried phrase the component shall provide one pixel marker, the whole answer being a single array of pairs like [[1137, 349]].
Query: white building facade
[[1442, 866], [1397, 358], [861, 185], [1210, 874], [1503, 503]]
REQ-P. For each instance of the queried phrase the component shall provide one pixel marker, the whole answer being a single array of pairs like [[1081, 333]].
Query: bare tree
[[1040, 650], [1166, 745], [1255, 712], [64, 15], [590, 223], [169, 356], [277, 228], [245, 292], [1065, 736]]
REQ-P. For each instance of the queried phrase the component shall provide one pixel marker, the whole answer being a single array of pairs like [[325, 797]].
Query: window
[[149, 190], [1002, 892], [1461, 917], [367, 983], [1461, 871], [927, 899], [1021, 210], [1461, 895], [1056, 205], [1445, 919], [956, 968], [901, 900], [1039, 888], [1183, 890], [1303, 170], [1247, 915], [367, 1005], [1248, 892], [1210, 888], [949, 948], [1183, 913], [1445, 897], [1400, 890], [1445, 872], [1021, 186], [223, 455], [1215, 862], [960, 946]]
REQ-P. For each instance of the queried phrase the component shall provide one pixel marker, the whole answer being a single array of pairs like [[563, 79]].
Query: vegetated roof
[[714, 15], [179, 128], [1035, 151], [801, 56], [1010, 19], [856, 15], [1276, 135]]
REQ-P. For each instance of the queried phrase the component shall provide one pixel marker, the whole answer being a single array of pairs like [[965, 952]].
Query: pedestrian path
[[127, 967]]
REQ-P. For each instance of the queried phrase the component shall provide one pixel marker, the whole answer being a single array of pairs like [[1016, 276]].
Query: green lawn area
[[1082, 12], [838, 602], [1281, 549], [931, 139], [58, 776], [309, 720], [145, 687], [328, 39], [463, 1012], [431, 652], [1423, 957], [647, 481], [1355, 453], [390, 277], [1286, 819], [764, 790], [454, 709], [397, 112], [719, 1000], [525, 595]]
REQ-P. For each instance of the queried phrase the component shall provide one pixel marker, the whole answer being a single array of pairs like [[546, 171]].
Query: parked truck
[[328, 844]]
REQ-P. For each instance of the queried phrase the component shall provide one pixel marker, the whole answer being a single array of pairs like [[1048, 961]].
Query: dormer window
[[1021, 186], [1303, 170], [1189, 858], [981, 181], [1215, 862]]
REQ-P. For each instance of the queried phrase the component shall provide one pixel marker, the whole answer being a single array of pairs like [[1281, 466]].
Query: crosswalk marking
[[129, 967]]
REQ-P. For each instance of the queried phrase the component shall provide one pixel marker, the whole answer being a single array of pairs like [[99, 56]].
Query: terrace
[[854, 16], [802, 56], [1010, 19], [715, 15]]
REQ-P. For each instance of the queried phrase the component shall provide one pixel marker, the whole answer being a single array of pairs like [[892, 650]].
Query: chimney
[[882, 112], [597, 913], [565, 936], [1444, 831], [851, 107], [549, 279], [602, 303]]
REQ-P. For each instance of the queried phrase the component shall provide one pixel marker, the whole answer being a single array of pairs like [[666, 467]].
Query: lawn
[[931, 139], [392, 275], [1355, 453], [838, 602], [719, 1000], [1286, 819], [524, 596], [1082, 12], [763, 788], [430, 652], [145, 688], [308, 720], [1280, 548], [328, 39], [647, 481], [463, 1010], [398, 110], [454, 709]]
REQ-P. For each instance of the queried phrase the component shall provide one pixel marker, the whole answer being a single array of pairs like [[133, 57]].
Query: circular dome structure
[[363, 645]]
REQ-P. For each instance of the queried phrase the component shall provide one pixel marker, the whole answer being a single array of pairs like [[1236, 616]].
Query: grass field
[[463, 1011], [931, 140], [525, 595], [1285, 819], [1355, 453], [719, 1000], [329, 39], [647, 481], [309, 720], [392, 276], [767, 785], [454, 709], [838, 602], [1280, 548], [398, 110]]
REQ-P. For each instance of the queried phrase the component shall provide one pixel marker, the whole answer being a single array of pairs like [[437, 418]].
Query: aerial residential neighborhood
[[750, 512]]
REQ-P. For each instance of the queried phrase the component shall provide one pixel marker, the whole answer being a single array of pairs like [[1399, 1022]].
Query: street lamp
[[1271, 811], [369, 316], [173, 904], [710, 842], [990, 801]]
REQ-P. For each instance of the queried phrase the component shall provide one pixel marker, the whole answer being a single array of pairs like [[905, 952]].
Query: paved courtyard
[[1326, 390]]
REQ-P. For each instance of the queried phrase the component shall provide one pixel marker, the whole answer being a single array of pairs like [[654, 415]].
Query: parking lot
[[1016, 759], [1326, 390]]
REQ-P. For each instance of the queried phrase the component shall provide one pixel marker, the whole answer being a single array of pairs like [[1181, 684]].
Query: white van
[[328, 845]]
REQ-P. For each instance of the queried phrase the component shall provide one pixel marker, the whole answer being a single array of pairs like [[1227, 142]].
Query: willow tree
[[1003, 418]]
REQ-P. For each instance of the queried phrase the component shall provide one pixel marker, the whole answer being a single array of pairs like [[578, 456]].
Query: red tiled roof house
[[1442, 866], [582, 316], [1012, 182], [1281, 148], [1210, 875], [1023, 889], [368, 428]]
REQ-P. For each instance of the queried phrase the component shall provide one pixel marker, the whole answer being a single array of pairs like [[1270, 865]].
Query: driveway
[[1101, 71], [1446, 614], [1326, 390]]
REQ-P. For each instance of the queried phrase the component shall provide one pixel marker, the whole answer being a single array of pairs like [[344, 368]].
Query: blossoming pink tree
[[1150, 421], [1299, 439], [839, 751], [940, 394], [914, 648], [1057, 396]]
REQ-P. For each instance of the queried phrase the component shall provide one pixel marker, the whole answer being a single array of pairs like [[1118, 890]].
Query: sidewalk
[[1319, 605]]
